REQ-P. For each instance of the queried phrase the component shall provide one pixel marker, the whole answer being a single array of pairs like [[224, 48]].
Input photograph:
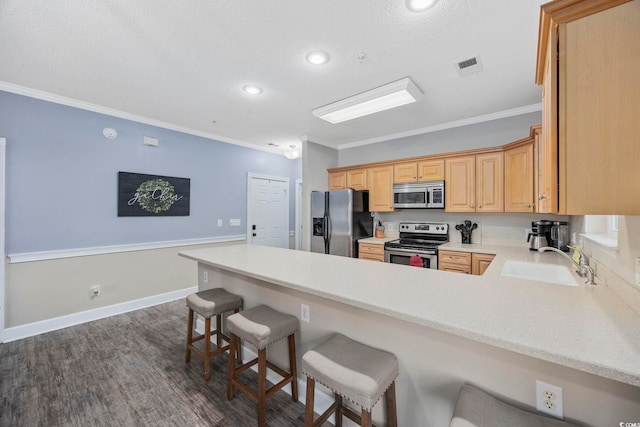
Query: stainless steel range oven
[[418, 244]]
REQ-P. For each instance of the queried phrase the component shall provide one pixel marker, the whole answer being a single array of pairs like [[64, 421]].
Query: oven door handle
[[410, 251]]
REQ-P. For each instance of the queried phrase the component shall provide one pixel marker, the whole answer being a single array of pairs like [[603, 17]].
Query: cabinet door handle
[[529, 205], [470, 206], [479, 206], [541, 197]]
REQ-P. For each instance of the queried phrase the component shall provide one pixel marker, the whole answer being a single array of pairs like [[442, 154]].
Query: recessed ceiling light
[[252, 90], [317, 57], [420, 5]]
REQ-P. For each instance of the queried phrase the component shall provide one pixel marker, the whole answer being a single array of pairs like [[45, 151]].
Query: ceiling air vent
[[469, 66]]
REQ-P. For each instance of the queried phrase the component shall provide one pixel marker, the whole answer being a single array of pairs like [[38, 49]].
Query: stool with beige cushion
[[353, 371], [209, 303], [261, 326], [475, 408]]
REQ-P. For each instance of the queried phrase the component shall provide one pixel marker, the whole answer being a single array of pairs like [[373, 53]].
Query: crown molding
[[71, 102]]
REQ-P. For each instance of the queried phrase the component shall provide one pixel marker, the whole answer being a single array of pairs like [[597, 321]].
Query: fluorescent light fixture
[[379, 99]]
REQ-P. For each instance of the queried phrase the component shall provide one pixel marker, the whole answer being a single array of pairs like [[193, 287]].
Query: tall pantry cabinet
[[589, 67]]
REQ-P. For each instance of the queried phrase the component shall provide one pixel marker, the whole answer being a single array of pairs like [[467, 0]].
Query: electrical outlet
[[305, 313], [549, 399], [235, 222], [205, 277], [94, 291]]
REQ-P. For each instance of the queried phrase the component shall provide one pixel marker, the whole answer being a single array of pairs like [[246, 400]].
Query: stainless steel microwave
[[419, 195]]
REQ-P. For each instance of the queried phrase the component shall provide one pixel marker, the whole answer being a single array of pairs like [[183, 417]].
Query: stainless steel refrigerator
[[338, 219]]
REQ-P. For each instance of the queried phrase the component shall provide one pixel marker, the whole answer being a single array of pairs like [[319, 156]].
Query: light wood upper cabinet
[[474, 183], [431, 170], [595, 115], [357, 179], [490, 182], [426, 170], [337, 180], [381, 189], [460, 184], [405, 172], [519, 178]]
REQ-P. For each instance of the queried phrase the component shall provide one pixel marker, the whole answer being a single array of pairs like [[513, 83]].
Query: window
[[602, 229]]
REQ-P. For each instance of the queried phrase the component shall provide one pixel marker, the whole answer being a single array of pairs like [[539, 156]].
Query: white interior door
[[3, 143], [268, 210]]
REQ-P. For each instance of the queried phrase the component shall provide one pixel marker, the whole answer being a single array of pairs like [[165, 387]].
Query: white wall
[[40, 290], [487, 134]]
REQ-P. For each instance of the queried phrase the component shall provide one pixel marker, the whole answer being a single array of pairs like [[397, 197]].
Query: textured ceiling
[[184, 62]]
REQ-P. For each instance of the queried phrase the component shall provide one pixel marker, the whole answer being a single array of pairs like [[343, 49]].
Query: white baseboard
[[36, 328]]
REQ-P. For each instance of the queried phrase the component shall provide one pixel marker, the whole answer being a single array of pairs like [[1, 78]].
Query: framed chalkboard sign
[[152, 195]]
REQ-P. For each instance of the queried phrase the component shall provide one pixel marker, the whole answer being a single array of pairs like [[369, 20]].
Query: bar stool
[[353, 371], [261, 326], [213, 302]]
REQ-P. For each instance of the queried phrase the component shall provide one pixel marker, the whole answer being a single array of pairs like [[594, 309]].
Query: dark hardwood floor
[[126, 370]]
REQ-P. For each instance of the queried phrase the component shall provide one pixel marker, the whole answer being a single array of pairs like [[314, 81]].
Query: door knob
[[254, 234]]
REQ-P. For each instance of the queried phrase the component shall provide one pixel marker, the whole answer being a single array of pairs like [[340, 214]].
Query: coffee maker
[[540, 235], [560, 235]]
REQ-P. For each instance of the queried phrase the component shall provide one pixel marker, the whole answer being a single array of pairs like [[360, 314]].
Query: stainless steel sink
[[539, 272]]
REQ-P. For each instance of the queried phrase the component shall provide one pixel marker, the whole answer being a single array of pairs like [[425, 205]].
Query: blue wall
[[62, 174]]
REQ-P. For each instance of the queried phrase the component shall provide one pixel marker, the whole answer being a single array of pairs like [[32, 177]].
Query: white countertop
[[595, 331], [377, 240]]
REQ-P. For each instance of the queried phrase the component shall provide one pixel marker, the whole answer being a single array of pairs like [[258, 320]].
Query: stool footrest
[[286, 379], [325, 415]]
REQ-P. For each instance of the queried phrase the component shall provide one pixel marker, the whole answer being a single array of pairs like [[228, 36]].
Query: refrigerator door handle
[[327, 233]]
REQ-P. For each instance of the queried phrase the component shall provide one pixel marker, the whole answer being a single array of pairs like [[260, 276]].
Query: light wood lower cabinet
[[480, 262], [464, 262], [371, 251], [458, 262]]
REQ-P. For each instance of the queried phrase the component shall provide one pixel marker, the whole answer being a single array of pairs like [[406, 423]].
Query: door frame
[[3, 146], [298, 214], [285, 179]]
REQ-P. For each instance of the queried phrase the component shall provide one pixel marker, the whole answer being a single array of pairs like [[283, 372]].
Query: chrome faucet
[[582, 266]]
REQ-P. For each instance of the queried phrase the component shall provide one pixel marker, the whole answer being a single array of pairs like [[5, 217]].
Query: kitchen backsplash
[[503, 229]]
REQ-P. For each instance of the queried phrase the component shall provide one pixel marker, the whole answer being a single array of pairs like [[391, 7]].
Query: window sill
[[602, 240]]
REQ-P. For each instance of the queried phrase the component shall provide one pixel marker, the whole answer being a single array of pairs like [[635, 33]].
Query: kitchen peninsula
[[499, 333]]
